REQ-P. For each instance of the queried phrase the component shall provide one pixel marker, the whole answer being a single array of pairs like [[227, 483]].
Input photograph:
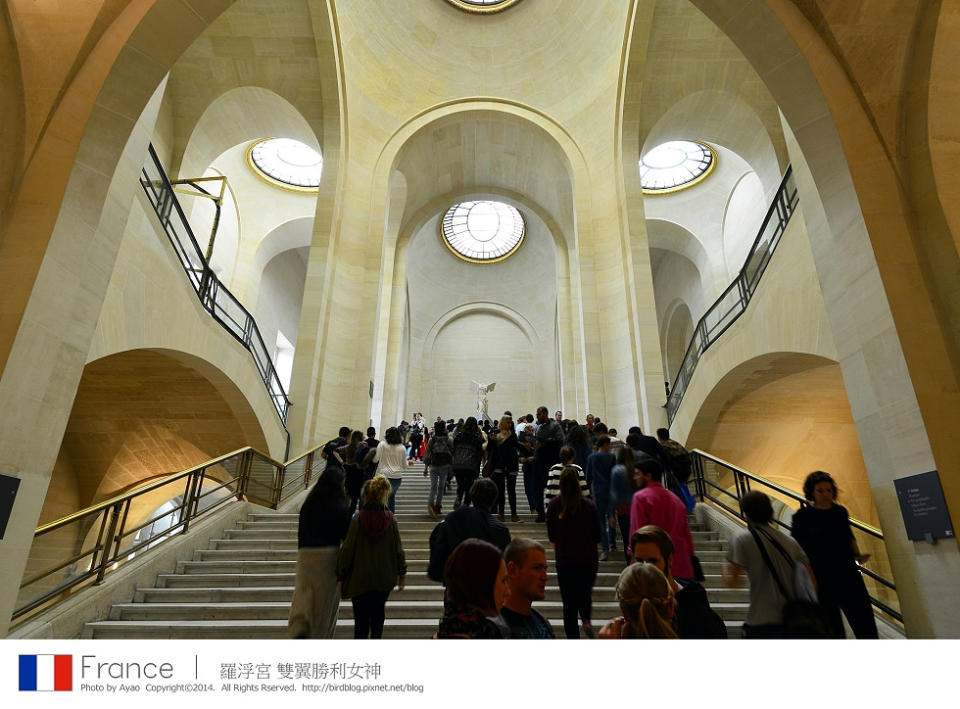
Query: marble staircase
[[242, 585]]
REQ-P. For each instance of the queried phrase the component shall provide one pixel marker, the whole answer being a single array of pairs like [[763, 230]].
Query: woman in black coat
[[823, 530]]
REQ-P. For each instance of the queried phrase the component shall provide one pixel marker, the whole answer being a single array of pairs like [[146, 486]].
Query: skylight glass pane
[[675, 164], [483, 230], [288, 162]]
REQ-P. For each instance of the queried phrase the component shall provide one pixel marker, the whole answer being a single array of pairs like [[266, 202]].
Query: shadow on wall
[[139, 414]]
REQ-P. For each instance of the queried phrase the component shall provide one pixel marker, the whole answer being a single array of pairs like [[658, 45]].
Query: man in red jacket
[[654, 504]]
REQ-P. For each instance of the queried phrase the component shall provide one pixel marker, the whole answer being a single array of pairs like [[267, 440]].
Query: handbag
[[803, 617]]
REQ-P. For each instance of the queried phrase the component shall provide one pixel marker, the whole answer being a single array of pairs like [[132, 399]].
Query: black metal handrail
[[80, 549], [733, 301], [744, 481], [214, 295]]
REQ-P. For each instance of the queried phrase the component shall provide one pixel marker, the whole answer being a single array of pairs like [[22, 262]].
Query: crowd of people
[[589, 487]]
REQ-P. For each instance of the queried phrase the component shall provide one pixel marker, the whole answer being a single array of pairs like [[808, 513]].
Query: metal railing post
[[278, 477], [243, 469], [191, 502], [307, 471], [109, 541]]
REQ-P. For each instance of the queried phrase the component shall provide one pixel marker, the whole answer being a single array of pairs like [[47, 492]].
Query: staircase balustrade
[[723, 484], [81, 548], [734, 300], [215, 297]]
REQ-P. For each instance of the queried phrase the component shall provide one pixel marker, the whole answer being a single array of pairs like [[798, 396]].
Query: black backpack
[[440, 452]]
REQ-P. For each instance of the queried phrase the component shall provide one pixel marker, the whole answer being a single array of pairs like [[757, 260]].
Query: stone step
[[277, 610], [414, 548], [394, 628], [615, 562], [410, 530], [242, 585], [282, 590]]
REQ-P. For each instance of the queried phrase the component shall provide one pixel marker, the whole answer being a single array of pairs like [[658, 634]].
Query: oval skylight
[[483, 5], [675, 165], [482, 231], [287, 162]]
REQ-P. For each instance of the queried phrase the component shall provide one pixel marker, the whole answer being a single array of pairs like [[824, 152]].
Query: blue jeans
[[606, 533], [392, 502], [438, 478]]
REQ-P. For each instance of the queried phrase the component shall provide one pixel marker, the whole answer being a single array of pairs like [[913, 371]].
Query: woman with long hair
[[467, 456], [392, 458], [823, 530], [437, 460], [503, 451], [646, 601], [372, 561], [476, 579], [324, 519], [573, 527], [352, 469], [578, 438]]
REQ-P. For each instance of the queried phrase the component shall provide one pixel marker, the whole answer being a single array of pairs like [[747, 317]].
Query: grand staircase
[[241, 587]]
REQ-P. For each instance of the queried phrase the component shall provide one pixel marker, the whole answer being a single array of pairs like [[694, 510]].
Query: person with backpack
[[769, 558], [466, 522], [437, 460], [468, 447]]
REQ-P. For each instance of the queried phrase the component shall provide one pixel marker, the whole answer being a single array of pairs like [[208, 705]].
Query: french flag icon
[[46, 673]]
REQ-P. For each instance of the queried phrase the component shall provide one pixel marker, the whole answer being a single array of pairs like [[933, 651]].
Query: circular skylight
[[482, 231], [288, 163], [483, 5], [675, 165]]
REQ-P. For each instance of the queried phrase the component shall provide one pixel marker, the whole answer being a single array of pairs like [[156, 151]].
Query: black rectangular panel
[[923, 506]]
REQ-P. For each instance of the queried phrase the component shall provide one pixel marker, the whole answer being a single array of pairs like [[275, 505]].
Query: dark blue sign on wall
[[923, 506], [8, 491]]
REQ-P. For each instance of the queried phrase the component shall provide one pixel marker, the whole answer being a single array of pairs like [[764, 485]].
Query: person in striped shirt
[[567, 454]]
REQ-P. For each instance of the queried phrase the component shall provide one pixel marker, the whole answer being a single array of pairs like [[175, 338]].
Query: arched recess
[[721, 118], [741, 222], [414, 145], [541, 265], [672, 238], [140, 414], [676, 334], [240, 115], [292, 234], [503, 348]]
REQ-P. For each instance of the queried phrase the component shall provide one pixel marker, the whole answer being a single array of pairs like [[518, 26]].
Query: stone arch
[[721, 118], [524, 325], [676, 334], [241, 115], [670, 236], [516, 376], [740, 222], [296, 233], [419, 208], [140, 414]]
